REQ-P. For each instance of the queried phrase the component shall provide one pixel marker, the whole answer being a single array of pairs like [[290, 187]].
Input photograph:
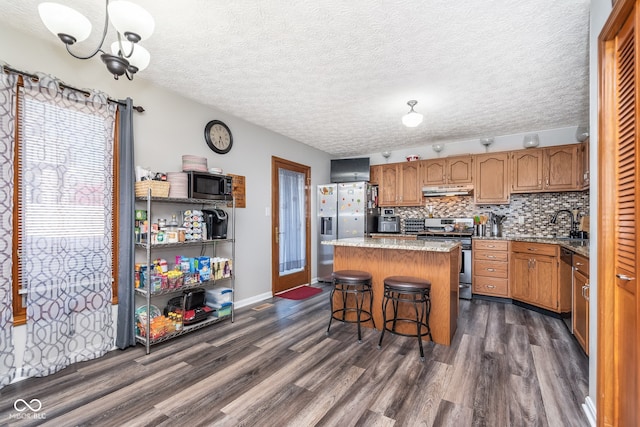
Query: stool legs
[[421, 303], [359, 291]]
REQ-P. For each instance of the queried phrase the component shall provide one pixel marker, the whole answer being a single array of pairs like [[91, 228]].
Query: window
[[63, 216]]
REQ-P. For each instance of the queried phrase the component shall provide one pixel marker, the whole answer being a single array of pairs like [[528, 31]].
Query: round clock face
[[218, 136]]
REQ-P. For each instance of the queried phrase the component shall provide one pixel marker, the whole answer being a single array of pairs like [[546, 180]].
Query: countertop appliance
[[343, 210], [216, 221], [388, 224], [455, 229]]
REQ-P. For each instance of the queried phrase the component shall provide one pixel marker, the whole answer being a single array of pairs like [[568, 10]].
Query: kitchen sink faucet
[[574, 221]]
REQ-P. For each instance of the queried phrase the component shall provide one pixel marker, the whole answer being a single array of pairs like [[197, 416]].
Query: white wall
[[549, 137], [172, 126]]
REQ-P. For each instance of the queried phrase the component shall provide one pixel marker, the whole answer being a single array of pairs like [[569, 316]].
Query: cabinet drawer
[[490, 286], [491, 245], [535, 248], [490, 255], [491, 269], [581, 264]]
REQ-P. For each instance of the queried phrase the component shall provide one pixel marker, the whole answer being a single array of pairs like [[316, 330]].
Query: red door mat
[[300, 293]]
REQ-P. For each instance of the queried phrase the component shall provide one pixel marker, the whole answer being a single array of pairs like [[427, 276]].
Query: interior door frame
[[303, 277]]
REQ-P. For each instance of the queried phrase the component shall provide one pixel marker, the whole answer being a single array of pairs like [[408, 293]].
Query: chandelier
[[131, 22], [412, 118]]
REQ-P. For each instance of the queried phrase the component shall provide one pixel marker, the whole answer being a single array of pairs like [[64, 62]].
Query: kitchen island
[[438, 262]]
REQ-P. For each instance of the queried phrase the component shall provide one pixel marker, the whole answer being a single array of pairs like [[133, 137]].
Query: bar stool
[[407, 290], [358, 284]]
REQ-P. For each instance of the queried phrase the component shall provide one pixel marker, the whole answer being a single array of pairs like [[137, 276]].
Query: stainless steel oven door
[[465, 273]]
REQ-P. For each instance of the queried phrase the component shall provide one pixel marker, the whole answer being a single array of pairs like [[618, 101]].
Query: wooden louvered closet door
[[618, 353]]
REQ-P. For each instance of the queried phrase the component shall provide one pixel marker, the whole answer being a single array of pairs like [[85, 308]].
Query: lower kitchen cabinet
[[490, 267], [535, 276], [580, 315]]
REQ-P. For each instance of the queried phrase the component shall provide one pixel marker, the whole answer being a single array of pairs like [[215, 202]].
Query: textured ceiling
[[337, 75]]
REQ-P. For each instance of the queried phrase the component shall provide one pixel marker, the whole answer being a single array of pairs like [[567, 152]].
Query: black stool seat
[[358, 284], [351, 275], [412, 291]]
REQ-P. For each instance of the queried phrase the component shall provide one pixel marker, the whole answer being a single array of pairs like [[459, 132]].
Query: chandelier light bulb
[[412, 118]]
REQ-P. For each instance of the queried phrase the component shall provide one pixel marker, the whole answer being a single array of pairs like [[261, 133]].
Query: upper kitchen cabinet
[[561, 168], [526, 170], [548, 169], [491, 178], [375, 173], [398, 185], [451, 170], [584, 157]]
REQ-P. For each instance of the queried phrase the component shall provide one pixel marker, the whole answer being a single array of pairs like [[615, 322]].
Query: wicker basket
[[158, 188]]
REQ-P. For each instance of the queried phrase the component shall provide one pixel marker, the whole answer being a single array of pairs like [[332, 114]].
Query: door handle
[[625, 277], [491, 269], [491, 256], [490, 286]]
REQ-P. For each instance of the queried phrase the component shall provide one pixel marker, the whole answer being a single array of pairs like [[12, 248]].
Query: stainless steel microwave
[[203, 185]]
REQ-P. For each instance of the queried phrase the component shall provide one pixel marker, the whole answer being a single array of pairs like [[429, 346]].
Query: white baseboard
[[252, 300], [590, 410]]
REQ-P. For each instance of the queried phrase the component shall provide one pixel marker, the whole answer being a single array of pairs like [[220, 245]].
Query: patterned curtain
[[7, 133], [292, 217], [66, 213]]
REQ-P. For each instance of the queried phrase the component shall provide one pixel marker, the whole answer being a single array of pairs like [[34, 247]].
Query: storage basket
[[158, 188]]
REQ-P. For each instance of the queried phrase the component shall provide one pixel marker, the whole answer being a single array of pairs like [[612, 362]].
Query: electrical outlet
[[521, 219]]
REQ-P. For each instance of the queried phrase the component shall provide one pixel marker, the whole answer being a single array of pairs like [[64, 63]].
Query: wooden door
[[410, 192], [520, 272], [375, 172], [432, 172], [561, 168], [387, 190], [618, 347], [492, 178], [291, 225], [526, 171], [459, 170], [544, 282], [580, 311]]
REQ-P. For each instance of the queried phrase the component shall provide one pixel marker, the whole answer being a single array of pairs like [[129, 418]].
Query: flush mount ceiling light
[[531, 141], [132, 23], [412, 119], [437, 147], [486, 142]]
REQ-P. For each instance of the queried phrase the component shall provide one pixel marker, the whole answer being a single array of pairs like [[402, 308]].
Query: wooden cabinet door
[[432, 172], [618, 384], [387, 190], [375, 173], [561, 168], [409, 190], [584, 160], [544, 282], [491, 178], [526, 171], [520, 272], [580, 310], [459, 170]]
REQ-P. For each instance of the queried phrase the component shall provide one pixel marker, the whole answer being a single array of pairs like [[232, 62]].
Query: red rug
[[300, 293]]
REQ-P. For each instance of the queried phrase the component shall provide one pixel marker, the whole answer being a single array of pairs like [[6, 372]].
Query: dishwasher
[[566, 279]]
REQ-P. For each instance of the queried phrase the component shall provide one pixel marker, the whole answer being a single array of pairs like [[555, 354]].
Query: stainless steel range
[[459, 230]]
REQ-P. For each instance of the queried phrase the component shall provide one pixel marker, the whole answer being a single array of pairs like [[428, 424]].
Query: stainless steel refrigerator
[[344, 210]]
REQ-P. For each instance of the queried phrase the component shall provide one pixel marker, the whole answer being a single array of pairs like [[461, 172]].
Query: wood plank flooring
[[507, 366]]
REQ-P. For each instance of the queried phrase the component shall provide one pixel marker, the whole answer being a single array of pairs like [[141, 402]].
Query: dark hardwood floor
[[507, 366]]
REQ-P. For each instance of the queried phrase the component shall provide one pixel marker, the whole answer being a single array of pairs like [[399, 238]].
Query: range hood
[[447, 190]]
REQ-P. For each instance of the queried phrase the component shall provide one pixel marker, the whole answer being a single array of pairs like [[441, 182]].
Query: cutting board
[[584, 223]]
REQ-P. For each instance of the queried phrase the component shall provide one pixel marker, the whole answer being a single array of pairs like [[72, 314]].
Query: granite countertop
[[390, 243], [581, 247]]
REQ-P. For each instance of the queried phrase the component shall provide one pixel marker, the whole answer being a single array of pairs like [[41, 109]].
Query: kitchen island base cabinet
[[440, 268]]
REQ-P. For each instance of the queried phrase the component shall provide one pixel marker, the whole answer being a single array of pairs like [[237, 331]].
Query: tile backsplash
[[533, 210]]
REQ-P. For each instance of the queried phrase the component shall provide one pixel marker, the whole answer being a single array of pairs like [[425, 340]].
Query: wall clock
[[218, 136]]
